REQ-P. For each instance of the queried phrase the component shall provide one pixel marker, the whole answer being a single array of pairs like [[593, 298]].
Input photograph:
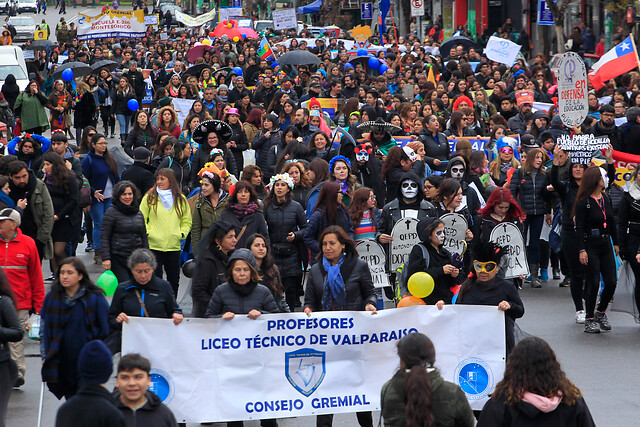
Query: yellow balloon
[[421, 284], [206, 41], [229, 25], [236, 39]]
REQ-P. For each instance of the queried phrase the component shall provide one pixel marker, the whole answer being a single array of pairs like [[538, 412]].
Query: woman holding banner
[[629, 230], [339, 281]]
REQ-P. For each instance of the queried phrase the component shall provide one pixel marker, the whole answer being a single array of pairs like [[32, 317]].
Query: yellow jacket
[[165, 228]]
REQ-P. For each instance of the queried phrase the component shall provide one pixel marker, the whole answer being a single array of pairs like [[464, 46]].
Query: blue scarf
[[4, 198], [333, 293]]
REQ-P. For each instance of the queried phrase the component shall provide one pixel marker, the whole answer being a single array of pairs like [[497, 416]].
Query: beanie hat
[[94, 363], [141, 153], [314, 101], [223, 87], [244, 255]]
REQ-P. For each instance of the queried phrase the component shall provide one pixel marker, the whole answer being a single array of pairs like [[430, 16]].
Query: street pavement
[[603, 366]]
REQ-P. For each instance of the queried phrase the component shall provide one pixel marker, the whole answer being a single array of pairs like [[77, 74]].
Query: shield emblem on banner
[[305, 369]]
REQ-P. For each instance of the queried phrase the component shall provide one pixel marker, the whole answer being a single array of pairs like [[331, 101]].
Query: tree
[[557, 10]]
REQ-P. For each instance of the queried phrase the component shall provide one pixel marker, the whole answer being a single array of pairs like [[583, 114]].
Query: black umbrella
[[224, 72], [298, 57], [39, 45], [379, 124], [455, 41], [203, 130], [80, 69], [105, 63], [194, 70]]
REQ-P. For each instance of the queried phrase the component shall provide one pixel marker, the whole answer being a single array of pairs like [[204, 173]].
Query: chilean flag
[[617, 61]]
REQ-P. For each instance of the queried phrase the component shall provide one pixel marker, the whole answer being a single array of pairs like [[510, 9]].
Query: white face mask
[[440, 235], [409, 189], [605, 178], [362, 156], [457, 172]]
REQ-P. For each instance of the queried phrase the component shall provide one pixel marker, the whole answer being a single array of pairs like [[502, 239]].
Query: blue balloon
[[274, 65], [374, 63], [133, 104], [383, 68], [244, 36], [348, 65], [67, 75], [362, 52], [237, 71]]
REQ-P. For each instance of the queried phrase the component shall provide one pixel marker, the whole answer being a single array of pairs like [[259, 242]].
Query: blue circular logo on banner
[[161, 385], [475, 378]]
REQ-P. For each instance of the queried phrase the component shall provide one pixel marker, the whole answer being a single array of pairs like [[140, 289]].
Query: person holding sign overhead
[[339, 281]]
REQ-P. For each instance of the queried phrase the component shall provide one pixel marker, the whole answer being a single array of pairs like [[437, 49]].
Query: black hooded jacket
[[392, 212], [152, 413], [10, 90], [471, 197]]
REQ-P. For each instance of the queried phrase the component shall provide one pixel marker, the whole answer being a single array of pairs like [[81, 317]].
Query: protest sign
[[198, 21], [508, 236], [372, 253], [291, 365], [502, 50], [572, 90], [151, 19], [284, 19], [405, 237], [182, 107], [582, 147], [455, 231], [112, 23], [229, 12], [524, 97]]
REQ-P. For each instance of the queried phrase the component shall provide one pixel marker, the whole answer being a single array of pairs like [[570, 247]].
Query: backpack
[[401, 287], [6, 117], [85, 193]]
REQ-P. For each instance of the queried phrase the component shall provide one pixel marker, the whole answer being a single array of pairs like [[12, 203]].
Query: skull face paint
[[439, 233], [409, 189], [362, 156], [457, 171]]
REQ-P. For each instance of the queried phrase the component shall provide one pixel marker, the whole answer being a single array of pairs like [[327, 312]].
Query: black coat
[[369, 176], [182, 170], [119, 102], [523, 414], [142, 138], [240, 138], [281, 220], [613, 133], [262, 146], [84, 111], [533, 192], [630, 135], [208, 275], [142, 175], [437, 260], [10, 328], [252, 223], [567, 190], [152, 413], [357, 283], [136, 80], [629, 226], [435, 148], [92, 406], [157, 295], [122, 233], [225, 299], [65, 200]]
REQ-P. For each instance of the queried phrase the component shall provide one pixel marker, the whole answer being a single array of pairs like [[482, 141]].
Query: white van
[[12, 62]]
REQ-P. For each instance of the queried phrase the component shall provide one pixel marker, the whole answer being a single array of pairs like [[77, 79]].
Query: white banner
[[229, 12], [502, 50], [151, 19], [290, 365], [182, 107], [284, 19], [112, 23], [190, 21]]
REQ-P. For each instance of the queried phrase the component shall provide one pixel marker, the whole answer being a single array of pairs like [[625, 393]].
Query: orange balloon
[[410, 300]]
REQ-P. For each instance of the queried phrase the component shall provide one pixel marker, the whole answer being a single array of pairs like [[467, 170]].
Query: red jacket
[[21, 263]]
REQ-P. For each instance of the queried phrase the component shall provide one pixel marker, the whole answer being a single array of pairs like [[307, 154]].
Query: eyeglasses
[[486, 267]]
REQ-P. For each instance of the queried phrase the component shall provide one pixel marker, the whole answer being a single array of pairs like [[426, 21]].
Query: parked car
[[9, 7], [27, 6], [25, 28], [12, 62]]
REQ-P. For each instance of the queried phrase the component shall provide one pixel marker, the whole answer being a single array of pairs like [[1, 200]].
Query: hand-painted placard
[[455, 232], [405, 237], [572, 90], [508, 235], [373, 254]]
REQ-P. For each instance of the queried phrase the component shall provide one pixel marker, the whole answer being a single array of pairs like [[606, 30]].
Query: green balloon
[[108, 281]]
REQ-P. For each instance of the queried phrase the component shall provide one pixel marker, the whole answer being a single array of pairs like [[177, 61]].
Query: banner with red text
[[112, 23]]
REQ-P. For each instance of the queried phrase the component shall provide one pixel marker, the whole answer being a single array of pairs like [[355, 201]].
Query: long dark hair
[[79, 266], [590, 181], [243, 185], [320, 168], [448, 188], [328, 201], [268, 268], [417, 353], [532, 367], [152, 195], [108, 157], [359, 205], [5, 286], [59, 171]]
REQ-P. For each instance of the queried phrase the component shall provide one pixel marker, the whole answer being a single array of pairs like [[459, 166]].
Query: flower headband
[[335, 159], [215, 151], [282, 177]]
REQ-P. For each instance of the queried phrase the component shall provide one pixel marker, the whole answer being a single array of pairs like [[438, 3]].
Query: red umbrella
[[229, 29]]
